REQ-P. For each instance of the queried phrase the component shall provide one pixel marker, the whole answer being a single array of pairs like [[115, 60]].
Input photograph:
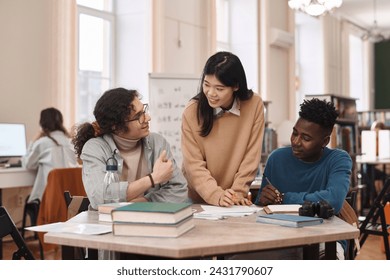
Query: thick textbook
[[153, 229], [107, 207], [152, 212], [104, 210], [289, 220]]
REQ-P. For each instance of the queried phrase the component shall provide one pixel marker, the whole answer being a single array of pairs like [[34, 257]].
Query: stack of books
[[104, 210], [152, 219]]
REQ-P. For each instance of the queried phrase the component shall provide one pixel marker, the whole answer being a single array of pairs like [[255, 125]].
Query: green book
[[152, 212]]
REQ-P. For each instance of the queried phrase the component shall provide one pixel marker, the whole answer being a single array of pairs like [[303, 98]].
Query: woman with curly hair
[[147, 169]]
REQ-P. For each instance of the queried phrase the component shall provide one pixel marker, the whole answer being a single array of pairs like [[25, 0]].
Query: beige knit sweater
[[228, 157]]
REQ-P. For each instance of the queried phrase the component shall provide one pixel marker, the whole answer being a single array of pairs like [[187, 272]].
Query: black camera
[[322, 209]]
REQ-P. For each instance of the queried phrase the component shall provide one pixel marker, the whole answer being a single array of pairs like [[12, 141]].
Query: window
[[102, 5], [95, 54], [309, 51], [232, 17]]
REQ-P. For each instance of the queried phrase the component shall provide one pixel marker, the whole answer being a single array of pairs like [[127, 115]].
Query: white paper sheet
[[69, 227], [282, 208], [216, 213]]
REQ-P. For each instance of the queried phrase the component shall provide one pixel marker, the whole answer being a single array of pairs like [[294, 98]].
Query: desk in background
[[213, 238], [370, 164], [14, 177]]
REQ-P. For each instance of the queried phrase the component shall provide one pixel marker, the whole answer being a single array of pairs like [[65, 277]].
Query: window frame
[[111, 18]]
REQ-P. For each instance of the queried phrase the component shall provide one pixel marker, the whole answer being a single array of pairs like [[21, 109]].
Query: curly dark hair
[[111, 112], [320, 112]]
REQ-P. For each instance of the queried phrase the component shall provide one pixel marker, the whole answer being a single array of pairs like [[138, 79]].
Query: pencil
[[268, 181], [277, 192]]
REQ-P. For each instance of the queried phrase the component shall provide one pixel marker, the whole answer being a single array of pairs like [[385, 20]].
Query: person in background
[[222, 132], [147, 169], [51, 148], [308, 170]]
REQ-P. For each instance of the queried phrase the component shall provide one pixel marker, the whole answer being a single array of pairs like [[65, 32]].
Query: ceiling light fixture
[[315, 7], [374, 35]]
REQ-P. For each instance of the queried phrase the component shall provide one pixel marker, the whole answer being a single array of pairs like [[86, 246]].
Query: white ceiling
[[361, 12]]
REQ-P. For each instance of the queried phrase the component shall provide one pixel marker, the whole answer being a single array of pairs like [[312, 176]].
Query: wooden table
[[213, 238], [14, 177]]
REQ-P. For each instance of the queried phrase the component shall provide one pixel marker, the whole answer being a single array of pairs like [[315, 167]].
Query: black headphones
[[322, 209]]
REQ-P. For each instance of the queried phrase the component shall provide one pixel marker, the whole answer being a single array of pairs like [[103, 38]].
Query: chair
[[53, 207], [350, 252], [375, 221], [351, 198], [7, 227], [77, 204], [31, 209]]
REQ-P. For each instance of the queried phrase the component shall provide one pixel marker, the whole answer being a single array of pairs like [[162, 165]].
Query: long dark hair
[[111, 112], [51, 120], [228, 69]]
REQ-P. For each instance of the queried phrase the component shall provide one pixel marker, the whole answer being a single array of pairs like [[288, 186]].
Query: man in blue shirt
[[308, 170]]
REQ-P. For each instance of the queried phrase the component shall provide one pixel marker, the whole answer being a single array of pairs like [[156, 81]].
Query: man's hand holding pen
[[270, 195]]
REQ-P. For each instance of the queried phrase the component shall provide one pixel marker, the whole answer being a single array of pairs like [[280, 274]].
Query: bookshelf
[[366, 118], [377, 117], [269, 144], [345, 133], [270, 137]]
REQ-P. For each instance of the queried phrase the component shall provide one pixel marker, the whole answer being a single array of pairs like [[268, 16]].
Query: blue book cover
[[289, 220]]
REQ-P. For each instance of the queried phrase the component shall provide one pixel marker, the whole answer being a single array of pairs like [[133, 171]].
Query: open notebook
[[281, 208]]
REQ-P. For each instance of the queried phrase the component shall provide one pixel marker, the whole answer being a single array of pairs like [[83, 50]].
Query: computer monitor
[[12, 140]]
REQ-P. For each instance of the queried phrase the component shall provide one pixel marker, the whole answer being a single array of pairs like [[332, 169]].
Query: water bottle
[[111, 181]]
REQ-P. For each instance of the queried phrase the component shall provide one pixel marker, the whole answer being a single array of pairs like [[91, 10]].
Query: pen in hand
[[268, 181], [277, 192]]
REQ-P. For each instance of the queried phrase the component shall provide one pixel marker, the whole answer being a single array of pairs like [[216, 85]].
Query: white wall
[[133, 46], [245, 45], [24, 61], [333, 62], [24, 73], [310, 55], [181, 42], [276, 71]]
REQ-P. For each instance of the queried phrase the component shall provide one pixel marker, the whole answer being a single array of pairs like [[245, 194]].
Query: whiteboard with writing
[[168, 96]]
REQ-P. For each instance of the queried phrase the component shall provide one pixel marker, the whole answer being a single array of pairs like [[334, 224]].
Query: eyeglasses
[[141, 116]]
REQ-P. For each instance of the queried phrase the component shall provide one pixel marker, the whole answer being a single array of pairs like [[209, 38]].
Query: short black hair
[[318, 111]]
